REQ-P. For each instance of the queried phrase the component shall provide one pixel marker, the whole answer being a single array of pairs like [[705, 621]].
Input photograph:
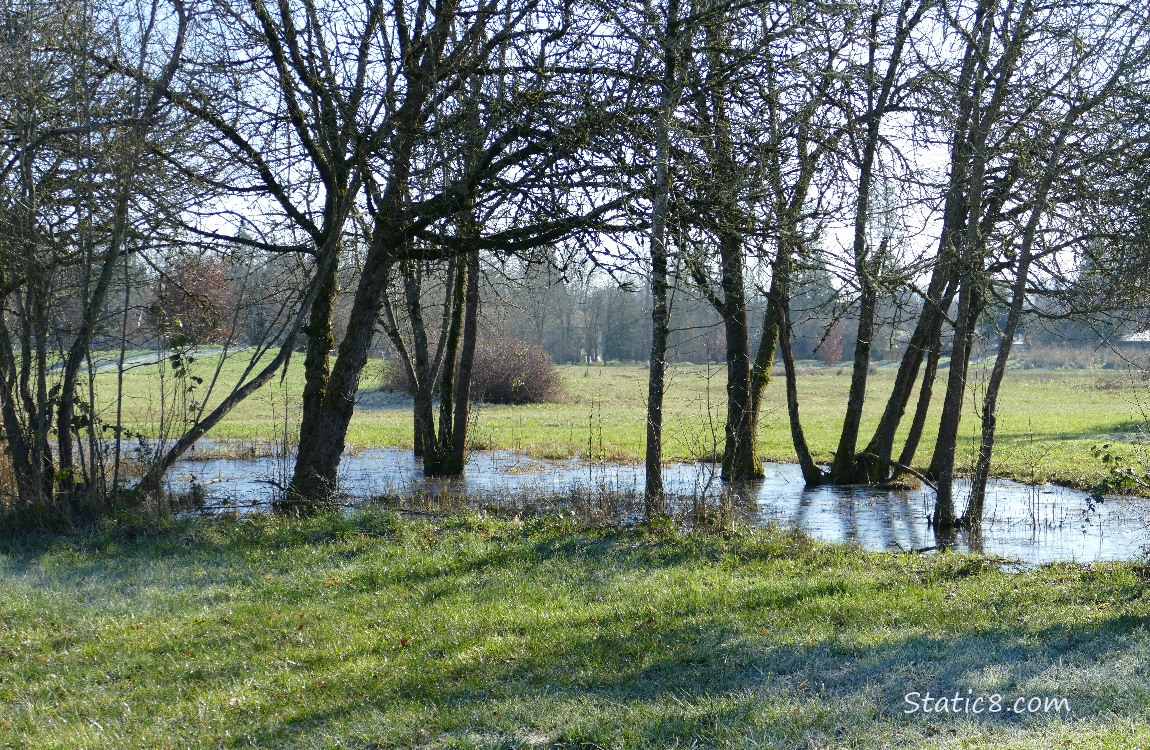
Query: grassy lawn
[[1048, 422], [372, 631]]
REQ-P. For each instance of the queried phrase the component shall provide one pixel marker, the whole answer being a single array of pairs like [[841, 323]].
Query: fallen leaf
[[404, 641]]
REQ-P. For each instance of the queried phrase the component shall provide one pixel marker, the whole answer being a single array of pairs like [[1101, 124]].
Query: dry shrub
[[513, 371], [507, 370], [192, 301]]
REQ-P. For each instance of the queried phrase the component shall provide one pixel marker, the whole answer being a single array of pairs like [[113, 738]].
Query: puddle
[[1029, 523]]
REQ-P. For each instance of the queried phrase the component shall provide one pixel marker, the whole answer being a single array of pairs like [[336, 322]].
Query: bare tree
[[78, 154], [884, 74], [439, 48], [1100, 66], [671, 28], [290, 147]]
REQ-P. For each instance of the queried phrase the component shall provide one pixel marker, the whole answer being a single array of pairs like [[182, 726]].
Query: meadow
[[378, 629], [375, 631], [1049, 420]]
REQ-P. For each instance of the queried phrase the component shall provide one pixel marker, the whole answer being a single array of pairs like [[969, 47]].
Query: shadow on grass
[[621, 679], [722, 688], [647, 652], [1106, 432]]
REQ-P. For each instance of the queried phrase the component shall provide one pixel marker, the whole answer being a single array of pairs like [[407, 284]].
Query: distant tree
[[830, 351], [195, 299]]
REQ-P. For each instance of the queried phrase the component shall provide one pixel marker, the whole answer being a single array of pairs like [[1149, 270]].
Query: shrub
[[513, 371], [507, 370]]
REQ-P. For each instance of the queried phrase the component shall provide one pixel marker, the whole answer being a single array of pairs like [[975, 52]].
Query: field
[[1049, 419], [371, 631]]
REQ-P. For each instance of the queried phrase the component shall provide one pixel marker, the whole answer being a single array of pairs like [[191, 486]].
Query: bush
[[506, 371], [513, 371]]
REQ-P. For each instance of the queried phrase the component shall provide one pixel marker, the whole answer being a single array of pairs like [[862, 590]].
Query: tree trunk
[[466, 367], [973, 516], [315, 477], [935, 306], [317, 359], [942, 463], [771, 333], [653, 498], [424, 407], [918, 423], [740, 457], [980, 72], [740, 454], [30, 489], [812, 474], [970, 264], [881, 444], [843, 469], [437, 460], [653, 494], [81, 344]]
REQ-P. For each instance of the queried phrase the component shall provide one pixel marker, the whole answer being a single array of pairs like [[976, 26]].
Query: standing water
[[1033, 524]]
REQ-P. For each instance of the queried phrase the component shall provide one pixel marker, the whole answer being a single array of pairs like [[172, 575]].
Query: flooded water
[[1028, 523]]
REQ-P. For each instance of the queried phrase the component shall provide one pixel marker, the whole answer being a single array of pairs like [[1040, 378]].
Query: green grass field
[[370, 631], [1049, 420]]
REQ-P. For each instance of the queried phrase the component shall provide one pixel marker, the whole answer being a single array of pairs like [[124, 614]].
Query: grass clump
[[371, 631]]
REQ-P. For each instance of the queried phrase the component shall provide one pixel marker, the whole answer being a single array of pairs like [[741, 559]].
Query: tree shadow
[[617, 670]]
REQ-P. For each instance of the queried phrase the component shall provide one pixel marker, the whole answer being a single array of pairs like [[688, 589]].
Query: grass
[[1049, 420], [375, 631]]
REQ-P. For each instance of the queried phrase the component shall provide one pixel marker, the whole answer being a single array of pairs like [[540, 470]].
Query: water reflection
[[1034, 524]]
